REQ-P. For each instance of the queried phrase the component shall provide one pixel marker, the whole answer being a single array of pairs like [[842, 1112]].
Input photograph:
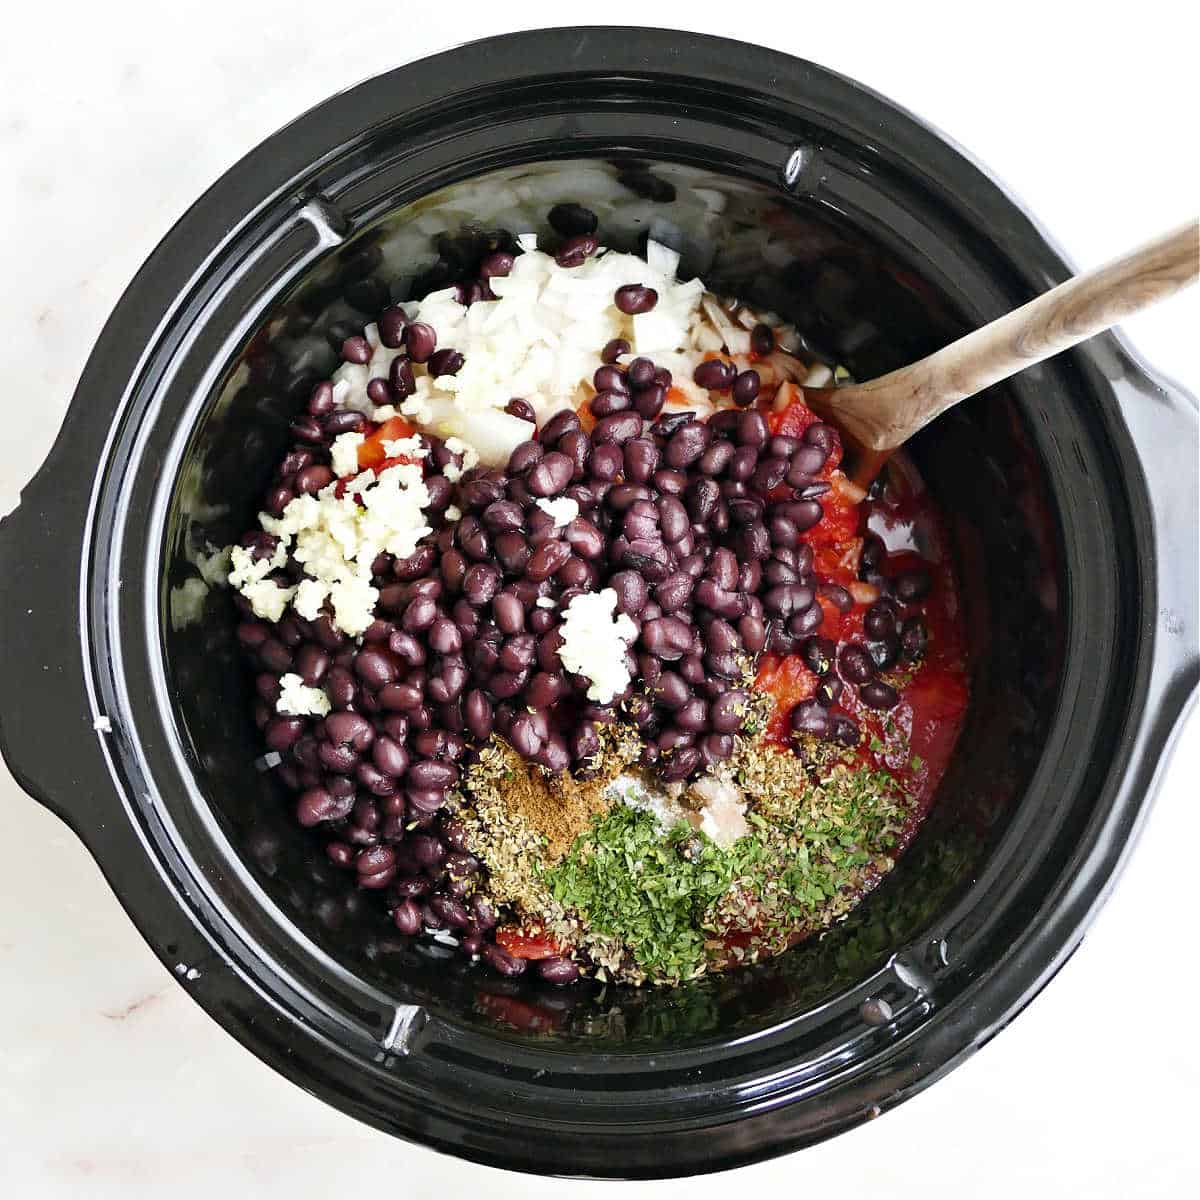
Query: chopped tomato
[[789, 682], [532, 943], [584, 413], [371, 454]]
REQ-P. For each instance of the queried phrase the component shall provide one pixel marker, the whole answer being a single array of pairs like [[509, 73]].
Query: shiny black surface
[[884, 243]]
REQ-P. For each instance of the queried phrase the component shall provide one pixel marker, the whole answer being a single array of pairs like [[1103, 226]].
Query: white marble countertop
[[112, 1082]]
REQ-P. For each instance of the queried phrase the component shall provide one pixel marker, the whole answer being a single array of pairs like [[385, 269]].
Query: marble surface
[[112, 1082]]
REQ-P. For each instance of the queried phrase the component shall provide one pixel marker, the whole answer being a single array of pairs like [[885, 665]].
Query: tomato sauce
[[915, 740]]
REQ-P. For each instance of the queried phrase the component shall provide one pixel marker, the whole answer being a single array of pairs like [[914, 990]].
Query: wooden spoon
[[877, 417]]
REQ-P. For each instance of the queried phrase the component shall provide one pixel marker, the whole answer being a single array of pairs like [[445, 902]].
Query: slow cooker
[[1071, 494]]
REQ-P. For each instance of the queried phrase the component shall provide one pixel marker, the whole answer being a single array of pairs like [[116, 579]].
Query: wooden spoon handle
[[885, 412]]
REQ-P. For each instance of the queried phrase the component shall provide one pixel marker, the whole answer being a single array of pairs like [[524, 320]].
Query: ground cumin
[[559, 807]]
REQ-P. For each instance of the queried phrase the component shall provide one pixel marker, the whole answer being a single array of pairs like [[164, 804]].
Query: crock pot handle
[[48, 733], [1163, 419]]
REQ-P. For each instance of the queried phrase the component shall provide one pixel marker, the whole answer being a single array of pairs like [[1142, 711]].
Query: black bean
[[496, 265], [480, 585], [610, 378], [375, 667], [503, 515], [787, 598], [884, 652], [807, 621], [635, 298], [804, 514], [401, 378], [914, 637], [692, 716], [632, 591], [822, 435], [855, 663], [521, 409], [723, 568], [687, 445], [558, 971], [606, 463], [336, 758], [728, 711], [349, 729], [716, 458], [420, 340], [613, 350], [640, 525], [501, 961], [914, 585], [547, 559], [667, 637], [679, 764], [745, 388], [818, 654], [671, 690], [880, 695], [641, 459], [577, 447], [716, 747], [282, 732], [715, 374], [838, 596], [541, 619], [560, 423], [546, 688], [617, 429], [811, 718], [406, 916], [879, 620], [356, 349], [753, 543], [419, 614], [674, 592], [640, 373], [752, 430], [769, 474], [513, 552], [445, 362], [524, 736], [431, 774], [553, 473], [762, 340], [345, 420], [742, 464], [806, 461], [873, 554], [722, 602], [702, 499], [607, 403], [509, 613], [391, 327], [576, 250], [478, 714], [649, 401]]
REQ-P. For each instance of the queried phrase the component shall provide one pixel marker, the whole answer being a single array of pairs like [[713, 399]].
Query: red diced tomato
[[788, 681], [530, 943], [371, 454]]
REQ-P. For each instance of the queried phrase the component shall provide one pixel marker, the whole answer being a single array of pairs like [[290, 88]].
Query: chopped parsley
[[679, 903]]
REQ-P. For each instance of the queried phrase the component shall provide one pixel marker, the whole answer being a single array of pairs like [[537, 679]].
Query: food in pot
[[571, 637]]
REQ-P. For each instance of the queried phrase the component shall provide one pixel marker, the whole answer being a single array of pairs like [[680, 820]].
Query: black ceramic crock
[[1072, 496]]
